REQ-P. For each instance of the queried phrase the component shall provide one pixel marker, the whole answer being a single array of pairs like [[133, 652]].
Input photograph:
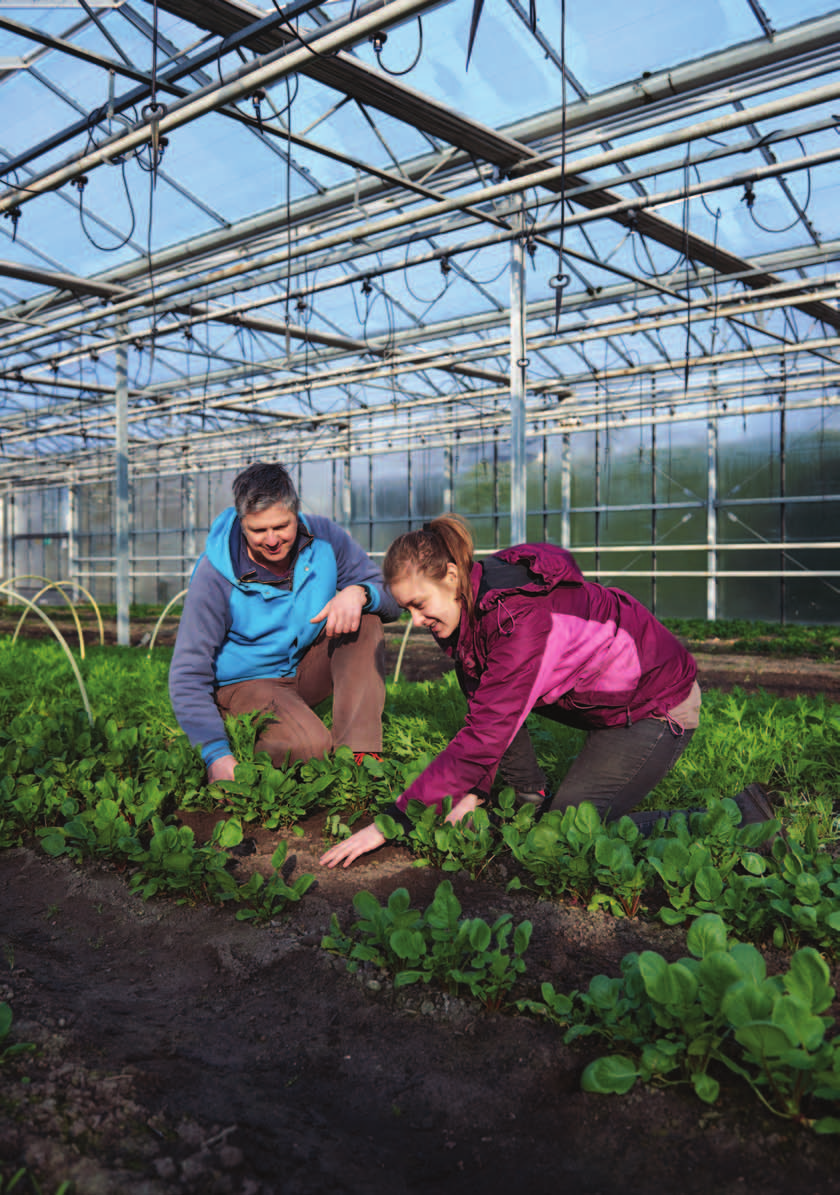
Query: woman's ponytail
[[442, 541]]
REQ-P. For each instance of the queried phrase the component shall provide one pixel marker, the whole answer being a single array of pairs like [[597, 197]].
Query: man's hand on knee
[[343, 612]]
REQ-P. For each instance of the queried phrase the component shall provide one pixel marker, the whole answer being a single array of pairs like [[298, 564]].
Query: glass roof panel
[[608, 43], [287, 278]]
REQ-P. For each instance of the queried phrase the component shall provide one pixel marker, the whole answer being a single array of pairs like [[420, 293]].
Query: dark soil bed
[[183, 1051]]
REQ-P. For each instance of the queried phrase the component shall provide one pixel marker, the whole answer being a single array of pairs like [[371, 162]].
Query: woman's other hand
[[464, 808]]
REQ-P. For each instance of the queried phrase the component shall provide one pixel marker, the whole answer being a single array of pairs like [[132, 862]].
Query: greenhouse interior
[[292, 901], [569, 271]]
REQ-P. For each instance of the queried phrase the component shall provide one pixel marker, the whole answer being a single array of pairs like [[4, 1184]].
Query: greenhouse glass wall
[[724, 517]]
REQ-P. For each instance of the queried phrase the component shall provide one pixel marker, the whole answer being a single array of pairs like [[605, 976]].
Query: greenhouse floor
[[182, 1050]]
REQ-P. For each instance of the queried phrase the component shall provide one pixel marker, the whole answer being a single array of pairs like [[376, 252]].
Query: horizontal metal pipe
[[249, 78]]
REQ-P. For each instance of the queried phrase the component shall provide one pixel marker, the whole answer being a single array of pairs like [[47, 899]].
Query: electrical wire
[[417, 56], [798, 217], [80, 183]]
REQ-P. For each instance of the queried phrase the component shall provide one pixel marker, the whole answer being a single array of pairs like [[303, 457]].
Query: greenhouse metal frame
[[570, 271]]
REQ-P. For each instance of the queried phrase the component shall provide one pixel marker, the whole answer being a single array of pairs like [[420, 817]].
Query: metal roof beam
[[800, 40], [631, 211], [370, 87], [82, 286]]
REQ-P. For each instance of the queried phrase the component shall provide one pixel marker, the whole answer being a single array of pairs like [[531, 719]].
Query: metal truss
[[316, 314]]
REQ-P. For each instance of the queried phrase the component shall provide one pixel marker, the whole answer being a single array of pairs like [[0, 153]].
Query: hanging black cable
[[749, 198], [378, 40], [80, 183], [153, 111]]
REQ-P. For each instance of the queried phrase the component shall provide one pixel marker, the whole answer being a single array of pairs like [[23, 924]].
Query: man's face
[[270, 535]]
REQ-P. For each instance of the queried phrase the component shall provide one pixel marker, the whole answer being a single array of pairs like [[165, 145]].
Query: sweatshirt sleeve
[[497, 709], [354, 566], [204, 624]]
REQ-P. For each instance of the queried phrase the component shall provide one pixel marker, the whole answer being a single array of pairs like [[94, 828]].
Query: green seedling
[[263, 899], [13, 1049], [436, 945]]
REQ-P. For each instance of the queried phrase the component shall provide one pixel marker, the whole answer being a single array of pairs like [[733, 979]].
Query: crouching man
[[282, 611]]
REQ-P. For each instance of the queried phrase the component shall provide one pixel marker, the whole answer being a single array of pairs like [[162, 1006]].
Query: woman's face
[[433, 604], [270, 535]]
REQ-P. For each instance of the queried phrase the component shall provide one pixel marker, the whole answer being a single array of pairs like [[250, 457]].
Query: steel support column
[[346, 492], [191, 510], [448, 487], [121, 522], [71, 528], [782, 510], [518, 367], [5, 537], [566, 491], [711, 516]]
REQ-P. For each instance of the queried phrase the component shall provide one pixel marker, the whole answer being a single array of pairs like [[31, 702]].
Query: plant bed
[[185, 1051], [181, 1049]]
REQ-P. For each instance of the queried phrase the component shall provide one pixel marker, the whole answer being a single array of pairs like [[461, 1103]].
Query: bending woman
[[528, 632]]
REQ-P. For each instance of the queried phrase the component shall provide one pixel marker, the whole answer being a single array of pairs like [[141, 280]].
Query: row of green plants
[[463, 955], [716, 1010], [87, 807], [112, 789], [818, 642], [696, 863], [690, 1021]]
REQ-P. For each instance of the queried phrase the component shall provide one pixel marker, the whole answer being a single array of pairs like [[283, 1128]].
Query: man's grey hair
[[262, 485]]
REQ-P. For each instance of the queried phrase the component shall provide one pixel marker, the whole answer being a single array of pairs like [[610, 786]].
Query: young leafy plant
[[263, 900], [436, 945], [14, 1048]]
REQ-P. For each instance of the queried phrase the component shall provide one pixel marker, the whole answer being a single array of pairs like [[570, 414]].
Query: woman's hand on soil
[[464, 808], [222, 769], [350, 848]]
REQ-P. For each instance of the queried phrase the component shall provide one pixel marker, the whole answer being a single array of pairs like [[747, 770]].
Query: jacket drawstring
[[500, 605]]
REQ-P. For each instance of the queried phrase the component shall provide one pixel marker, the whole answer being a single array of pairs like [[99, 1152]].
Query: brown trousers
[[350, 667]]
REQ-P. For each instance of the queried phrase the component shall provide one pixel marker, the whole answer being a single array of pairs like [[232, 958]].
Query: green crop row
[[785, 891], [688, 1021], [112, 788], [714, 1011], [759, 638], [459, 954]]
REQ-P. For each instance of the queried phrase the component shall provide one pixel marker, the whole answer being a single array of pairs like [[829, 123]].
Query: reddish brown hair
[[445, 540]]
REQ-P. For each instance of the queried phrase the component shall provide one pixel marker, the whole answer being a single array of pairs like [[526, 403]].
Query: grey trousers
[[615, 770]]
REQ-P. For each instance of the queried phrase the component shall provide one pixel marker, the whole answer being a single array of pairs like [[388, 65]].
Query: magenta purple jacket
[[545, 639]]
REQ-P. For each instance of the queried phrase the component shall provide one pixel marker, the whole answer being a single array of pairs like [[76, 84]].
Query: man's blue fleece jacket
[[233, 629]]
